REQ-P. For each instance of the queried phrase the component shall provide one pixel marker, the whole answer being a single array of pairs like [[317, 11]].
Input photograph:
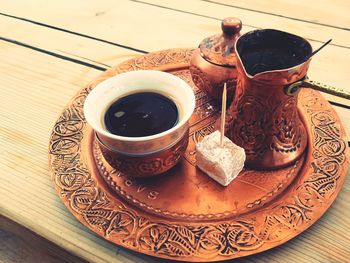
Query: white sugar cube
[[222, 164]]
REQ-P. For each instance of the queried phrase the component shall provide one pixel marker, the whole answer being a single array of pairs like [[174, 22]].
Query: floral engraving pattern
[[122, 224], [265, 123], [250, 130], [200, 79], [154, 164], [286, 134]]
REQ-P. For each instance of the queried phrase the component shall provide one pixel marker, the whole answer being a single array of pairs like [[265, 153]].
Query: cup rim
[[141, 73]]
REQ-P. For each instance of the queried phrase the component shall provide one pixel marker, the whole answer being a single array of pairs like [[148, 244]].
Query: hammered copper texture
[[81, 188]]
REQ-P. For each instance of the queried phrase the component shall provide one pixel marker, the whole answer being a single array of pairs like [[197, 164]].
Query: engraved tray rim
[[119, 222]]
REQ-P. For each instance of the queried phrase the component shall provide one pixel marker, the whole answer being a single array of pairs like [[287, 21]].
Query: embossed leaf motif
[[163, 237], [83, 200], [119, 224], [77, 107], [74, 126], [111, 226], [208, 244], [180, 242], [154, 234], [125, 222], [213, 242], [245, 238], [316, 154], [322, 134], [323, 118], [293, 216], [68, 127], [176, 249], [331, 167], [97, 219], [103, 202], [72, 179], [332, 148], [232, 238], [158, 239], [309, 198], [69, 179], [63, 146], [187, 234], [222, 227]]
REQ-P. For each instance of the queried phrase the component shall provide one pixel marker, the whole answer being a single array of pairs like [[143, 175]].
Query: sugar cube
[[223, 164]]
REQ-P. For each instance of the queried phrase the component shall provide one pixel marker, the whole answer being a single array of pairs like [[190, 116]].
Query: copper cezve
[[263, 118]]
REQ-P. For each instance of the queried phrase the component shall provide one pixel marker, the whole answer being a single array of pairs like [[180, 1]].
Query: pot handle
[[294, 88]]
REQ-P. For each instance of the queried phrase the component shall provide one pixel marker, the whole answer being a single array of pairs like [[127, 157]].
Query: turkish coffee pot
[[263, 118]]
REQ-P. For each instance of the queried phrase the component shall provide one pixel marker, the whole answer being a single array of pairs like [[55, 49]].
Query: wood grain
[[322, 12], [20, 245], [91, 15], [65, 44], [253, 20], [35, 87]]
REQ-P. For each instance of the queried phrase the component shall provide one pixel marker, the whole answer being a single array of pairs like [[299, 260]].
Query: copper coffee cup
[[148, 155]]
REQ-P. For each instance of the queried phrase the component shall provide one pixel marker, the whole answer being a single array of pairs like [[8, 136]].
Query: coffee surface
[[141, 114], [269, 59]]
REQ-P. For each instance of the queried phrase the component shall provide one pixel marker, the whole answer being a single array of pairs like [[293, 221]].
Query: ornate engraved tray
[[183, 214]]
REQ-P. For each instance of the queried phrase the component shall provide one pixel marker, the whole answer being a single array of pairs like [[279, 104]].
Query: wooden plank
[[18, 244], [253, 20], [321, 12], [152, 31], [91, 51]]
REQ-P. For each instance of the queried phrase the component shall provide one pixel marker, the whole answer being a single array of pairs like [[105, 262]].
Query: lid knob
[[231, 26], [219, 49]]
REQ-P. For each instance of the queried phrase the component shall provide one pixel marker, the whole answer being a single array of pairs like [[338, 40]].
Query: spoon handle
[[307, 83]]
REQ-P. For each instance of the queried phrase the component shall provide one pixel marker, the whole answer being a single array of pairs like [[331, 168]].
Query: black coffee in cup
[[141, 114]]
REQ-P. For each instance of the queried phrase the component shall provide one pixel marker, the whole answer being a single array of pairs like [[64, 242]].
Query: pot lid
[[220, 49]]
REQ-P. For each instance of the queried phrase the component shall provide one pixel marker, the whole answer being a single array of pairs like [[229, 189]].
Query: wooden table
[[51, 49]]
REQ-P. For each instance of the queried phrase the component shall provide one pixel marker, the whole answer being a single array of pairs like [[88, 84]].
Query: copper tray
[[183, 214]]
